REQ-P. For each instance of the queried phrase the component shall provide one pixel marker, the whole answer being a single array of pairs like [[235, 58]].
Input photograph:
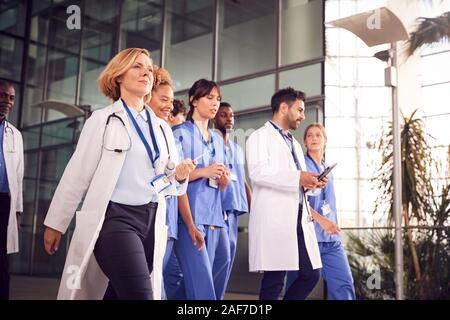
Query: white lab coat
[[275, 200], [13, 154], [96, 170]]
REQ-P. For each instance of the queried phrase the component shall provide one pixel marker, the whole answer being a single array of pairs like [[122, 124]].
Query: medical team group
[[161, 194]]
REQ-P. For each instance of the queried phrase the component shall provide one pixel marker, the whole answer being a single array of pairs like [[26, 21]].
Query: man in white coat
[[281, 232], [11, 176]]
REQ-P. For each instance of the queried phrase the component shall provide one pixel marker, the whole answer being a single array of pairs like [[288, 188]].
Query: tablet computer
[[326, 172]]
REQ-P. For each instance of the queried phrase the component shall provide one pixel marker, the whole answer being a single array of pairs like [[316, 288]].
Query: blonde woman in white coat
[[11, 180], [124, 167]]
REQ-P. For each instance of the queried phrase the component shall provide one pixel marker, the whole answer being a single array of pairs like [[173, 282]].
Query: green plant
[[424, 206], [430, 31]]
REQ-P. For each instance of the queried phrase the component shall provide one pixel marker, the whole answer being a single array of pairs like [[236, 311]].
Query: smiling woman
[[162, 94], [120, 233]]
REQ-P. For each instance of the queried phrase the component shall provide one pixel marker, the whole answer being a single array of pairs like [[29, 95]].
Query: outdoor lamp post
[[377, 27]]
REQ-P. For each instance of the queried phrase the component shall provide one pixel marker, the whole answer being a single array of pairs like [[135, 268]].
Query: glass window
[[248, 28], [30, 113], [301, 30], [40, 11], [189, 41], [307, 79], [435, 99], [374, 102], [10, 57], [90, 93], [183, 97], [250, 93], [430, 64], [341, 42], [36, 65], [59, 132], [49, 25], [344, 188], [12, 16], [62, 77], [341, 132], [99, 24], [437, 127], [354, 71], [340, 101], [142, 26]]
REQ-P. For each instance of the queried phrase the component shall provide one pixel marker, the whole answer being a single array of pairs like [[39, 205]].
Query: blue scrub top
[[234, 196], [205, 201], [4, 186], [326, 196], [172, 206]]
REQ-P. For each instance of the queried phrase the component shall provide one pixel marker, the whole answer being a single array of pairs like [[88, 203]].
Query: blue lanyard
[[291, 147], [319, 170], [141, 135]]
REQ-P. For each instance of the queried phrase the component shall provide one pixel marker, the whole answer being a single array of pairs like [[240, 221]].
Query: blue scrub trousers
[[173, 277], [232, 226], [205, 271], [167, 254], [336, 272]]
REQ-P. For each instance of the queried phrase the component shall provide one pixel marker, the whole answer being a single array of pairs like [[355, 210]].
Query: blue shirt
[[204, 201], [4, 186], [133, 186], [234, 196], [327, 198]]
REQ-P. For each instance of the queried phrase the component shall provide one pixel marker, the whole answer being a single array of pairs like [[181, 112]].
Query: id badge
[[213, 183], [160, 183], [326, 209], [233, 177]]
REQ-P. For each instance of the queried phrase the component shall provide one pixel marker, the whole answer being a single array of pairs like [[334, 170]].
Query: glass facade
[[250, 47], [358, 107]]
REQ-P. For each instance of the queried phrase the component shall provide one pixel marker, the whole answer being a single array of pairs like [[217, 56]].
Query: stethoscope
[[9, 132], [118, 150], [170, 167]]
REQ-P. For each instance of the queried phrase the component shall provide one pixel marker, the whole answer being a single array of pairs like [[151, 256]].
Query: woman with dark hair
[[204, 267]]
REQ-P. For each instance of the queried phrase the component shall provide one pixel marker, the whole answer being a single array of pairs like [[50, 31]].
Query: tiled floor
[[38, 288]]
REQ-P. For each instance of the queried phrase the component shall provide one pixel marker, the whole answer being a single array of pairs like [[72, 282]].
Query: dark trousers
[[273, 281], [5, 202], [124, 250]]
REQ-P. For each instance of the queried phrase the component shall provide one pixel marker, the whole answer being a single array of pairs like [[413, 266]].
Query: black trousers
[[5, 203], [124, 250], [273, 281]]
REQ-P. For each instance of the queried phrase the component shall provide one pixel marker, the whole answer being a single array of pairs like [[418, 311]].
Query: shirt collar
[[142, 114], [288, 134]]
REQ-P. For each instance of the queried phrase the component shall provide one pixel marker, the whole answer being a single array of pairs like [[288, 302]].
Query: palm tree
[[427, 254], [416, 176], [430, 31]]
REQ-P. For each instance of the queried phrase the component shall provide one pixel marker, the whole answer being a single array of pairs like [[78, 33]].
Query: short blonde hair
[[161, 77], [107, 80]]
